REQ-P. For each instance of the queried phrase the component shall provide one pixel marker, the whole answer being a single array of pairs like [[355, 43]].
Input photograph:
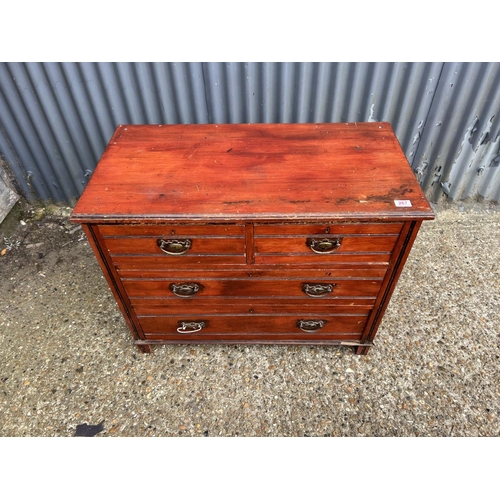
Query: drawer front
[[303, 326], [313, 289], [317, 244], [175, 247], [324, 246], [318, 249], [163, 246]]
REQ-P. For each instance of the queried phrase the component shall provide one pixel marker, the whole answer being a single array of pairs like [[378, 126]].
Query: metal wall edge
[[56, 118]]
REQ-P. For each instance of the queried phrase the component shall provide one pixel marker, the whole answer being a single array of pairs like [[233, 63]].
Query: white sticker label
[[402, 203]]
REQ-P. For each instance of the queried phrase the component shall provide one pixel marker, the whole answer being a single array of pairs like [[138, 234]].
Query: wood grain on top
[[241, 172]]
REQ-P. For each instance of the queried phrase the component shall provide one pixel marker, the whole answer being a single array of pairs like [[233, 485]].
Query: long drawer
[[301, 325], [313, 289]]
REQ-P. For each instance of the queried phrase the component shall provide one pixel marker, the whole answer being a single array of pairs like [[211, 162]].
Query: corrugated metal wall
[[459, 153], [56, 118]]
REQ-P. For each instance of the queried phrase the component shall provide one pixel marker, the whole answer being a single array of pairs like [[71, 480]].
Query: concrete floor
[[67, 358]]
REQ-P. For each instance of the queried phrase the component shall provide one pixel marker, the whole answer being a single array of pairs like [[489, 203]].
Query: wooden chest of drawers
[[259, 233]]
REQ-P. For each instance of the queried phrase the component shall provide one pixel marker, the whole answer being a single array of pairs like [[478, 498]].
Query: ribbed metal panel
[[459, 154], [56, 118], [400, 93]]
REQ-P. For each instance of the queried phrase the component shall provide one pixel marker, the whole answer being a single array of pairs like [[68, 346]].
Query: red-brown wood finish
[[172, 230], [327, 229], [271, 272], [154, 306], [199, 246], [247, 201], [264, 325], [252, 287], [251, 171]]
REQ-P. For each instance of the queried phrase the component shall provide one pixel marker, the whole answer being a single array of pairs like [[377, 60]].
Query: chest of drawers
[[253, 233]]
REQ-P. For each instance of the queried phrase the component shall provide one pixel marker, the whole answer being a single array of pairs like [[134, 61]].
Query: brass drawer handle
[[185, 289], [318, 289], [310, 326], [325, 245], [174, 247], [190, 326]]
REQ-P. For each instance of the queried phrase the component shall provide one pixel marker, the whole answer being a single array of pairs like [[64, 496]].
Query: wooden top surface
[[243, 172]]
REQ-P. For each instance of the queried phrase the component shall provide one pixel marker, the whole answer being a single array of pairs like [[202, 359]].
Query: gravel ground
[[66, 356]]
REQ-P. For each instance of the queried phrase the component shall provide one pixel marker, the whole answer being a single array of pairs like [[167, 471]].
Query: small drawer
[[362, 243], [324, 245], [164, 246], [310, 249], [175, 246]]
